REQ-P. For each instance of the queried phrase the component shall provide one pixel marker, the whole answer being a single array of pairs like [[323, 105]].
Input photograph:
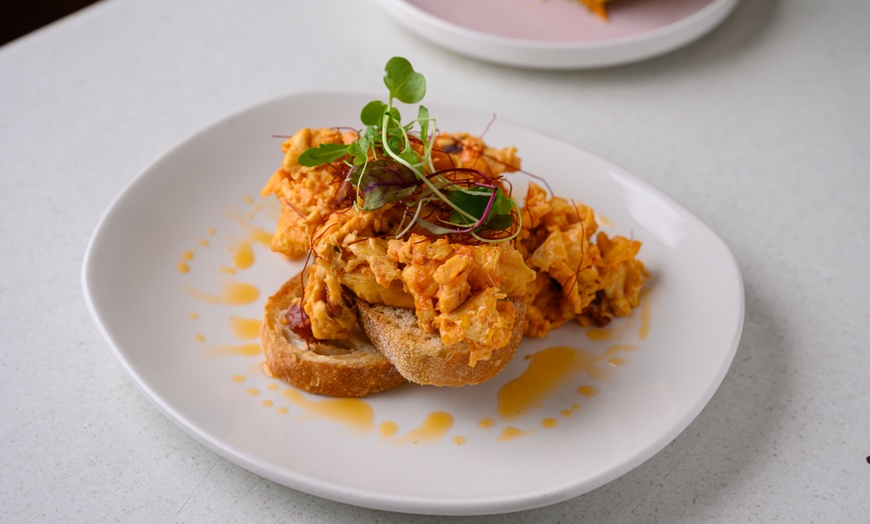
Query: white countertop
[[762, 129]]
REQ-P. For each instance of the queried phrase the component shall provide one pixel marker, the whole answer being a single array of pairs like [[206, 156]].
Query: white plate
[[202, 198], [559, 34]]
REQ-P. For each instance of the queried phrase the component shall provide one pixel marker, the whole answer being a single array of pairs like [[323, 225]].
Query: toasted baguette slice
[[421, 357], [346, 368]]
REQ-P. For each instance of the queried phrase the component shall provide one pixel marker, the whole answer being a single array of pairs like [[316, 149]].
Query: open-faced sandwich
[[420, 266]]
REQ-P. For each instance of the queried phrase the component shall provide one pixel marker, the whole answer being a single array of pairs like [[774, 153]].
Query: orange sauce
[[252, 391], [272, 387], [645, 315], [434, 427], [548, 370], [283, 411], [183, 267], [228, 270], [510, 433], [238, 379], [203, 242], [549, 422], [587, 391], [234, 294], [267, 403], [243, 252], [459, 440], [486, 423], [199, 337], [388, 429], [354, 413], [187, 255], [243, 350], [599, 334], [245, 328], [193, 316]]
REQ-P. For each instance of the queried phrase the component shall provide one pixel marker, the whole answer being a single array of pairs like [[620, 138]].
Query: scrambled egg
[[458, 290], [576, 278]]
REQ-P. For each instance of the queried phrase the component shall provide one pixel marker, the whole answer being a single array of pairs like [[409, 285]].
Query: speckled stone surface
[[760, 128]]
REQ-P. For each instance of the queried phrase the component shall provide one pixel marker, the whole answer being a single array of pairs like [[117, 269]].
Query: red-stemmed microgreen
[[390, 163]]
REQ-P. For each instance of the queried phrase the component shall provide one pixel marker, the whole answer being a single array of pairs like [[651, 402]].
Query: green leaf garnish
[[405, 84], [384, 182], [390, 163], [324, 154]]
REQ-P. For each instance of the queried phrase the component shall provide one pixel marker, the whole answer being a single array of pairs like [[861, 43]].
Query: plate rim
[[404, 504]]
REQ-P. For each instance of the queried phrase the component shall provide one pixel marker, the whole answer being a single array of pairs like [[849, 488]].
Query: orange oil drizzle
[[433, 428], [549, 422], [459, 440], [388, 429], [354, 413], [234, 294], [511, 433], [548, 370], [243, 350], [243, 252], [245, 328]]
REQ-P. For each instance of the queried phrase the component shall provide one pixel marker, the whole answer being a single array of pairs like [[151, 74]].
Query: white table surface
[[762, 129]]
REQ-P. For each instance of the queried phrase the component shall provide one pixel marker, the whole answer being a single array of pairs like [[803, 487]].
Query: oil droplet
[[388, 429], [486, 423], [210, 231], [183, 267], [599, 334], [272, 387], [203, 242], [510, 433], [238, 379], [199, 337], [566, 412], [249, 199], [616, 361], [234, 294], [587, 391], [549, 422], [645, 315], [244, 350], [547, 371], [245, 328], [283, 411], [243, 253], [227, 270], [354, 413], [434, 427], [193, 316], [187, 255], [253, 391], [459, 440], [267, 403], [575, 407]]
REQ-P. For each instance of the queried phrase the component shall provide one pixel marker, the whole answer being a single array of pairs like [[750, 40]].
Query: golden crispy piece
[[578, 279], [307, 194]]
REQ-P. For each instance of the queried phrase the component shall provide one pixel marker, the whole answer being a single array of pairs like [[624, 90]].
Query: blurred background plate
[[559, 34]]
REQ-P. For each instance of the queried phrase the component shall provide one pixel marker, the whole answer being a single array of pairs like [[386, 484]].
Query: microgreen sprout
[[392, 163]]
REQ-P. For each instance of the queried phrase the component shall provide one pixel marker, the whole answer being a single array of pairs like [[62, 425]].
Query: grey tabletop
[[760, 129]]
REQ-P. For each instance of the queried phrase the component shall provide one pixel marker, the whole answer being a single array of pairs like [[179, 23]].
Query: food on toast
[[413, 238], [422, 357], [340, 368]]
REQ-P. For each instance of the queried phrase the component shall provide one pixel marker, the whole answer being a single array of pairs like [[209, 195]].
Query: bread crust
[[421, 357], [347, 368]]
